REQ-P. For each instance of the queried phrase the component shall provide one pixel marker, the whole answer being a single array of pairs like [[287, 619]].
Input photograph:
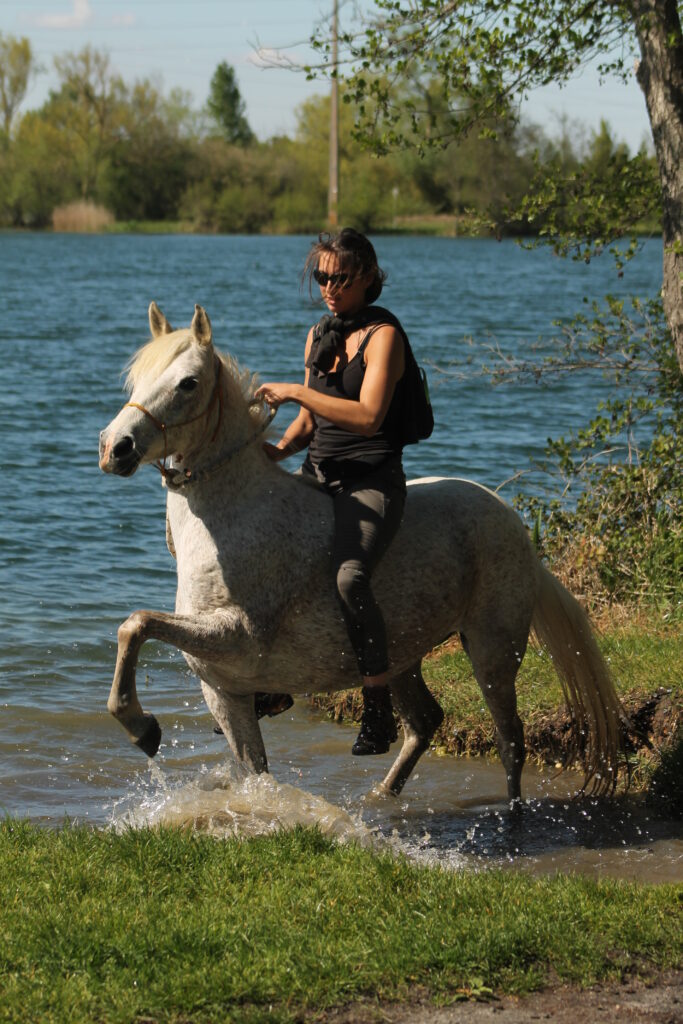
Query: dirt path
[[657, 1001]]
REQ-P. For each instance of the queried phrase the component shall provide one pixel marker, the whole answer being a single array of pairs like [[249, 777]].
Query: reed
[[81, 217]]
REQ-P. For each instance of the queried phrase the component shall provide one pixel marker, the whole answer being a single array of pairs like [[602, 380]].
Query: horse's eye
[[188, 384]]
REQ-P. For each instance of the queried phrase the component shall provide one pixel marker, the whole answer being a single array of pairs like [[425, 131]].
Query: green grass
[[150, 227], [173, 926], [645, 658], [642, 662]]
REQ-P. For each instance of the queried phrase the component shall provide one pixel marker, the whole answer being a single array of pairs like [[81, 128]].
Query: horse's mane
[[157, 355]]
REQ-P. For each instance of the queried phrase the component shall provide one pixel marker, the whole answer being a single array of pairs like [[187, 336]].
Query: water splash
[[228, 801]]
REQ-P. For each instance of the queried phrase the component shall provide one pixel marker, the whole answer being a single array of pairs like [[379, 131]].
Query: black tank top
[[338, 454]]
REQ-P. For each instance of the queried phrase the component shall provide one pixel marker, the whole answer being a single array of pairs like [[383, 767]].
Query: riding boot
[[378, 728]]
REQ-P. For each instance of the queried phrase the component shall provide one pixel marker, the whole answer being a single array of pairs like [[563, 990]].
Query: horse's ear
[[157, 321], [201, 326]]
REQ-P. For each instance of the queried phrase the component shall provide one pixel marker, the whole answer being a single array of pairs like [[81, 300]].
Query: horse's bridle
[[216, 396], [171, 475]]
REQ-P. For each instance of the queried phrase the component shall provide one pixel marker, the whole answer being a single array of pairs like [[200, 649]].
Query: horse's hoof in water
[[378, 795], [151, 737]]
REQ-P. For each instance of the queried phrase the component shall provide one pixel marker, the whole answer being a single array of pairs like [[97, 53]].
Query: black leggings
[[367, 515]]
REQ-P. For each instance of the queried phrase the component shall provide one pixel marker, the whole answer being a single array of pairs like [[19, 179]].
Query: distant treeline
[[143, 155]]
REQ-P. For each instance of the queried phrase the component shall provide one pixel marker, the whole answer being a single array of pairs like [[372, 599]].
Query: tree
[[37, 174], [17, 66], [89, 110], [147, 167], [487, 56], [227, 108]]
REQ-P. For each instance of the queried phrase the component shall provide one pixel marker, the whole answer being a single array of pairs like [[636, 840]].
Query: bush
[[616, 533], [242, 210], [81, 216]]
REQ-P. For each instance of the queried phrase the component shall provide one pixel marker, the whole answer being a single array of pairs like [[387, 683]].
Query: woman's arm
[[384, 359], [299, 432], [295, 438]]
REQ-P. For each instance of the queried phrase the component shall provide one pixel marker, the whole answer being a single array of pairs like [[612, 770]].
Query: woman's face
[[342, 297]]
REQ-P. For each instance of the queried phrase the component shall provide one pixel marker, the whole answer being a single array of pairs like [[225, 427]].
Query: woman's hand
[[275, 395]]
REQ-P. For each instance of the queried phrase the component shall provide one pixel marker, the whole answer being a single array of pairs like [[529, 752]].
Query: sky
[[179, 43]]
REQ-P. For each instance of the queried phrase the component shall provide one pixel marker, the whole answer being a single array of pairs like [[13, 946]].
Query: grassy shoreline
[[167, 926], [436, 225], [173, 926]]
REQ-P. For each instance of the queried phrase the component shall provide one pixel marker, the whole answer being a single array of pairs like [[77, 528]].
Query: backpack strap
[[371, 330]]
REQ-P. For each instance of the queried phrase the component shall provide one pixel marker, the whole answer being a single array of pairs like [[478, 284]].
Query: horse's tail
[[563, 628]]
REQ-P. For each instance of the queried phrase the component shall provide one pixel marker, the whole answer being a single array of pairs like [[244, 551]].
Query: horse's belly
[[457, 541]]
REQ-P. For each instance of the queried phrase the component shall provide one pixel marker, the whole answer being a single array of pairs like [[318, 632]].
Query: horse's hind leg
[[420, 717], [495, 658]]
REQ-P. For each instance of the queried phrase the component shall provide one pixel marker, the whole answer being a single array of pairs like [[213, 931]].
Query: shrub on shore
[[82, 217]]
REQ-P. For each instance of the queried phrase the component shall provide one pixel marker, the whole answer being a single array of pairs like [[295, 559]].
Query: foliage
[[617, 525], [148, 156], [147, 168], [430, 74], [578, 207], [226, 107], [485, 58], [89, 111], [170, 925], [17, 67], [37, 173]]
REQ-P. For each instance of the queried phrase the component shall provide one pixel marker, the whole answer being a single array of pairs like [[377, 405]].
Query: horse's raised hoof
[[151, 737]]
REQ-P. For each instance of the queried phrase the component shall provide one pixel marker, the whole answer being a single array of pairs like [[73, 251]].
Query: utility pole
[[333, 191]]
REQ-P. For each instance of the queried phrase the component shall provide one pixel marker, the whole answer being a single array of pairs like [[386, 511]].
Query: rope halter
[[175, 478]]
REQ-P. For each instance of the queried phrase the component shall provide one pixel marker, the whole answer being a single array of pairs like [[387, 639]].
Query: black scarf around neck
[[330, 336]]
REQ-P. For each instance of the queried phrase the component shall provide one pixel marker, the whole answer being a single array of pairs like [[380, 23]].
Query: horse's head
[[174, 384]]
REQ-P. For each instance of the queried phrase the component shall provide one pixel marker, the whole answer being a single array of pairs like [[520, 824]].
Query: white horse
[[256, 606]]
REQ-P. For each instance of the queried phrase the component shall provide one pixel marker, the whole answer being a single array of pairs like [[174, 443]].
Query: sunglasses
[[339, 280]]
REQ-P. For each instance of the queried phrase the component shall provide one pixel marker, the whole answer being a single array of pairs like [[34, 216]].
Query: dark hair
[[356, 255]]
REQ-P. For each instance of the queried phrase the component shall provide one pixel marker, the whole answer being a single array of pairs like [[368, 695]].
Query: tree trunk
[[660, 74]]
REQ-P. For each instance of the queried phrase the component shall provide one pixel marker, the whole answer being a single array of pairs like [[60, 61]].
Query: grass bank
[[646, 658], [175, 926]]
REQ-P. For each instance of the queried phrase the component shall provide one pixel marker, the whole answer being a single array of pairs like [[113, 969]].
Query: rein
[[176, 478]]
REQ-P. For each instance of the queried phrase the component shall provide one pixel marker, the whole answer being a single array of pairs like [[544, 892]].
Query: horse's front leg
[[236, 716], [209, 637]]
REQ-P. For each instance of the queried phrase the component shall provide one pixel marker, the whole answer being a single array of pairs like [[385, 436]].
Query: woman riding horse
[[350, 419]]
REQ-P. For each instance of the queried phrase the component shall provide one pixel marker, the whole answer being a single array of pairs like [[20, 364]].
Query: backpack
[[417, 416]]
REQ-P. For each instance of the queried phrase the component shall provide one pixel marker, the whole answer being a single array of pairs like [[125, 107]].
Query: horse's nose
[[123, 447]]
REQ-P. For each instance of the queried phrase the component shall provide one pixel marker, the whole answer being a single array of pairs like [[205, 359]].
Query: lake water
[[79, 551]]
